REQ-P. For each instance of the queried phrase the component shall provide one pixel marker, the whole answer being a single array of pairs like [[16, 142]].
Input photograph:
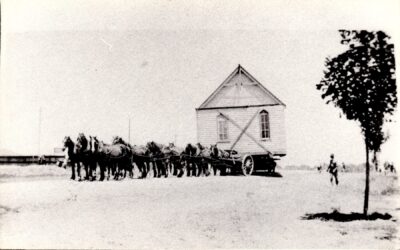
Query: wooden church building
[[243, 115]]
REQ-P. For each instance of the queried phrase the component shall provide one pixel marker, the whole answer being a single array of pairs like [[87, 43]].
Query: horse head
[[66, 142], [153, 148], [171, 150], [199, 148], [117, 140], [203, 151], [69, 145], [82, 142], [94, 144], [214, 151], [190, 149]]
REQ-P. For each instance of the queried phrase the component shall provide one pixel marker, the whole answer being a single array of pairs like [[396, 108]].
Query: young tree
[[361, 82]]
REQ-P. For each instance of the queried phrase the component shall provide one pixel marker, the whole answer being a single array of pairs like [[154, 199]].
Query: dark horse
[[141, 160], [97, 157], [71, 157], [125, 164], [203, 156], [154, 151], [85, 156], [114, 158], [215, 155], [173, 159], [189, 158]]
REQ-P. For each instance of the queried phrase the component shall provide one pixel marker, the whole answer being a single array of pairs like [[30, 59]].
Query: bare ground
[[41, 208]]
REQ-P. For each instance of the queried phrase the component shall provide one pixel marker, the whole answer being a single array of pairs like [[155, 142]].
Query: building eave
[[240, 107]]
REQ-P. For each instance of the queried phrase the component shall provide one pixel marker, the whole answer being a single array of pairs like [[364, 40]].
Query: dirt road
[[212, 212]]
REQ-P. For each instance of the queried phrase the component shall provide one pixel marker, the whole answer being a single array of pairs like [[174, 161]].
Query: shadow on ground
[[267, 174], [340, 217]]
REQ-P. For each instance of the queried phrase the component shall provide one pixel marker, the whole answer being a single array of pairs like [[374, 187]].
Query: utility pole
[[129, 130], [39, 129]]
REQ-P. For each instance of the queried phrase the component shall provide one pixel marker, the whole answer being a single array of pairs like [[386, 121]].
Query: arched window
[[264, 125], [222, 124]]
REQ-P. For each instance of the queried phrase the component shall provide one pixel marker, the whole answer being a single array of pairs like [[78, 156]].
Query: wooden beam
[[244, 130]]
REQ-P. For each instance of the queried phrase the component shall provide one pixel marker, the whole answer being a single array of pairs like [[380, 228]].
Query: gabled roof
[[240, 89]]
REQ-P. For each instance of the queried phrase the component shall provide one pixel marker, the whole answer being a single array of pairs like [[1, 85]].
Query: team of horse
[[118, 159]]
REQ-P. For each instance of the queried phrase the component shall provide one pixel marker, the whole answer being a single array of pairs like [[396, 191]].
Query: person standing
[[333, 170]]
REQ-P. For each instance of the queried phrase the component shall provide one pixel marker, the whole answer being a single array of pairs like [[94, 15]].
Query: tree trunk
[[375, 160], [366, 193]]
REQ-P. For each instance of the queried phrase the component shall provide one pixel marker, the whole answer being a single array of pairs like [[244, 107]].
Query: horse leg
[[125, 169], [144, 168], [102, 171], [113, 170], [94, 170], [73, 170], [86, 167], [175, 168], [188, 168], [165, 168], [116, 170], [178, 167], [108, 170], [199, 167], [78, 170], [204, 168], [159, 172], [131, 169], [141, 168], [195, 168], [158, 169], [207, 169], [153, 163], [148, 167]]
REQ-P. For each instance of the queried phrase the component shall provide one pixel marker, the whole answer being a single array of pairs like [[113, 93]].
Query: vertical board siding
[[207, 132]]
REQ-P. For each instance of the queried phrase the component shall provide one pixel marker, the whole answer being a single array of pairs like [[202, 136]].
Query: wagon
[[245, 164], [245, 119]]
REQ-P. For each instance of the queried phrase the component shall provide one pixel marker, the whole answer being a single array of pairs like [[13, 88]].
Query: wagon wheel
[[247, 165]]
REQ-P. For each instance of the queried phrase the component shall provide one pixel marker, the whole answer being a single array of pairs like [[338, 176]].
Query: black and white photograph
[[173, 124]]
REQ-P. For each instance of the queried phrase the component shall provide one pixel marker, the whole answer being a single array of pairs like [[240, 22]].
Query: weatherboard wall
[[207, 131]]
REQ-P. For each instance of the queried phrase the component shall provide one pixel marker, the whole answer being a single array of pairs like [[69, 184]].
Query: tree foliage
[[361, 82]]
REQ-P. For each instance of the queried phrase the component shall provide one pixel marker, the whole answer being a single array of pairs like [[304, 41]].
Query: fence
[[29, 159]]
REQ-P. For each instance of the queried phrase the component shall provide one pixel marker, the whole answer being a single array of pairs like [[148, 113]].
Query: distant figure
[[41, 160], [389, 167], [343, 167], [319, 168], [392, 168], [333, 170]]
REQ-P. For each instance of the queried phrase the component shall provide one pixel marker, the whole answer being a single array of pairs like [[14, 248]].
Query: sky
[[91, 66]]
